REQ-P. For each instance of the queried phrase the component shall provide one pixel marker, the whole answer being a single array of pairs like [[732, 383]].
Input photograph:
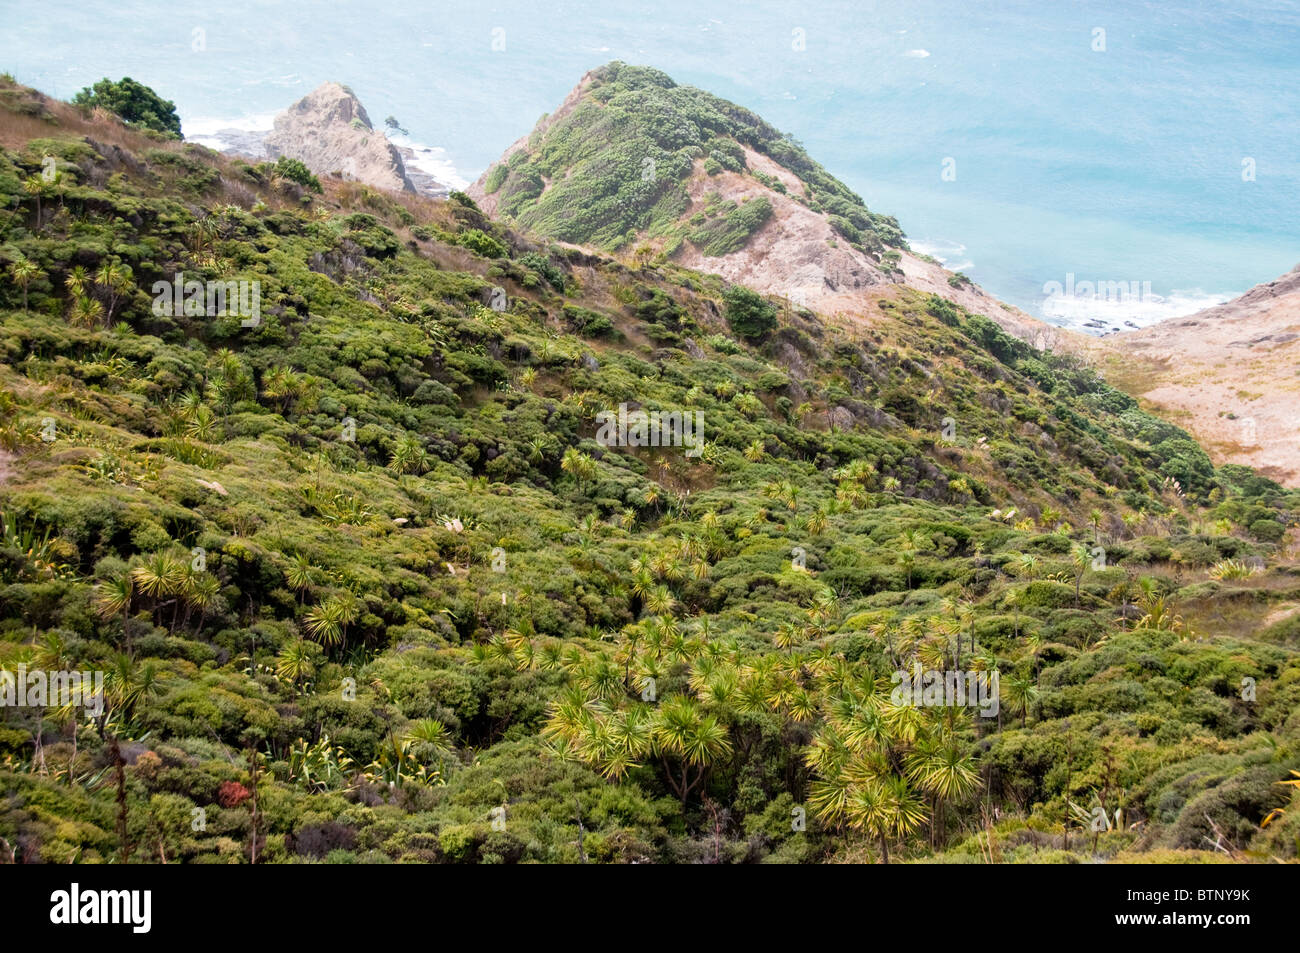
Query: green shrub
[[482, 244], [748, 313], [295, 171], [134, 102]]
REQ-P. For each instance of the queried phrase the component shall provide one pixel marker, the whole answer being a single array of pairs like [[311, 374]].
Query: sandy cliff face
[[328, 130], [1230, 374]]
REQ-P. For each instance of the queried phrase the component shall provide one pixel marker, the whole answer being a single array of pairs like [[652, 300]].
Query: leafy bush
[[134, 102], [481, 243], [295, 171], [749, 314]]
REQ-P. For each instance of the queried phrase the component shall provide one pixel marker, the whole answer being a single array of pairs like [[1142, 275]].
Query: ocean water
[[1160, 153]]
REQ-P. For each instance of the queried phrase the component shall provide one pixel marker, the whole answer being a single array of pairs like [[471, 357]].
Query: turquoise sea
[[1119, 160]]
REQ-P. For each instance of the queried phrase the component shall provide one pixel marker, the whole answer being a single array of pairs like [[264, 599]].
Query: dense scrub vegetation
[[366, 588], [615, 165]]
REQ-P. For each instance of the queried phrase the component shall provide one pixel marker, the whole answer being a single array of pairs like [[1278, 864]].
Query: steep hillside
[[1230, 374], [367, 584], [633, 161]]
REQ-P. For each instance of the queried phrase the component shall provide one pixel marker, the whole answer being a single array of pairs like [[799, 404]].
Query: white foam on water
[[952, 255], [431, 160], [1076, 311], [197, 128]]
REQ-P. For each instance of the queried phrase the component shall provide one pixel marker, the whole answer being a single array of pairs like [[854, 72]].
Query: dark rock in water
[[246, 144], [329, 131], [423, 182]]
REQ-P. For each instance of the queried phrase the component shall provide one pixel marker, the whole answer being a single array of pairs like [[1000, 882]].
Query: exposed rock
[[212, 485], [328, 130], [423, 182]]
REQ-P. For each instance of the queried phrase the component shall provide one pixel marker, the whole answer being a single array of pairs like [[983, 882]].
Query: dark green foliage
[[295, 171], [544, 267], [616, 164], [495, 178], [586, 322], [749, 314], [134, 102], [481, 243], [944, 310]]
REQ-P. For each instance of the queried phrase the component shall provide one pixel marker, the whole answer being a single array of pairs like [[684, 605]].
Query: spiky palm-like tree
[[201, 591], [324, 622], [159, 576], [1021, 691], [817, 521], [538, 448], [684, 733], [328, 622], [885, 807], [38, 188], [113, 596], [24, 271], [85, 312], [282, 386], [76, 281], [301, 575], [429, 739], [295, 662], [116, 279], [202, 425], [580, 466], [1157, 609], [409, 456], [127, 685], [1080, 560], [659, 600], [909, 545], [943, 770]]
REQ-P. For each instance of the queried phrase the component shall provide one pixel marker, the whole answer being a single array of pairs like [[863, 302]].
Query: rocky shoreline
[[329, 131]]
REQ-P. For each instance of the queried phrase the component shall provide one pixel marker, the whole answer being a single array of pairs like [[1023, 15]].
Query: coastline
[[429, 168]]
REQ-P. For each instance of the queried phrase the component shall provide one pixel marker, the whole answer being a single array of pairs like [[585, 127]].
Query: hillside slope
[[631, 160], [1230, 374], [366, 558]]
